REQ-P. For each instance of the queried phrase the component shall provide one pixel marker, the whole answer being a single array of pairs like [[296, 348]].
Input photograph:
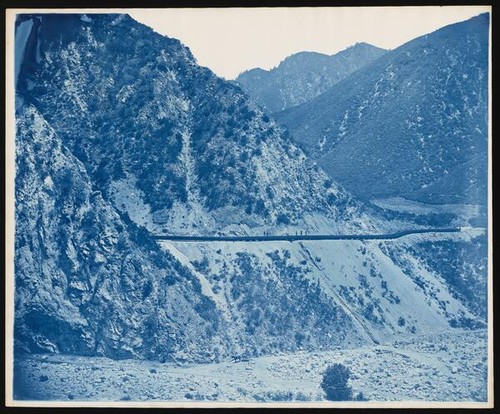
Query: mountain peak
[[304, 75]]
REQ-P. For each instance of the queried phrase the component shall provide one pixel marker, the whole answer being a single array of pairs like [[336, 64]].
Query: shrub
[[361, 397], [334, 383], [275, 396], [300, 396]]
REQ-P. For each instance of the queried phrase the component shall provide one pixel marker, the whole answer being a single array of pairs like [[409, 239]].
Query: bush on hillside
[[334, 383]]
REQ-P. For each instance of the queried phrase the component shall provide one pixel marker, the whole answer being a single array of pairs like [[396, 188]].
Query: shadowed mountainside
[[412, 124]]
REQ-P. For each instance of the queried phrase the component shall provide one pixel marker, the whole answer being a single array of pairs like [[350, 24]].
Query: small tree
[[334, 383]]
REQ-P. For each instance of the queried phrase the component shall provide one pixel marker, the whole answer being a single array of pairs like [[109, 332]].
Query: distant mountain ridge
[[304, 75], [412, 124]]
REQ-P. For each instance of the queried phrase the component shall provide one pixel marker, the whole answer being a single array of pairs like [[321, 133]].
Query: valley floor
[[445, 367]]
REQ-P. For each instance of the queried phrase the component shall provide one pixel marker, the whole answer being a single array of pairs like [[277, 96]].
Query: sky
[[232, 40]]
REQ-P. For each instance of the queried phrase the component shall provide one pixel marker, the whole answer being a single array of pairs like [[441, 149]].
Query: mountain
[[165, 140], [89, 281], [412, 124], [121, 136], [314, 295], [303, 76]]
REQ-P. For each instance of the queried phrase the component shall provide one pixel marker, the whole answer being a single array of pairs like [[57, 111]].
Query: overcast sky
[[232, 40]]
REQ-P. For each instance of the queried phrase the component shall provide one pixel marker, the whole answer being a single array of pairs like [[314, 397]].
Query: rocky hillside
[[412, 124], [121, 134], [303, 76], [165, 140], [88, 281], [369, 291]]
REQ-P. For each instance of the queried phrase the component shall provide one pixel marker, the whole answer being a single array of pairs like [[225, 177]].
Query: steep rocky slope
[[303, 76], [386, 289], [165, 140], [120, 132], [89, 281], [412, 124]]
